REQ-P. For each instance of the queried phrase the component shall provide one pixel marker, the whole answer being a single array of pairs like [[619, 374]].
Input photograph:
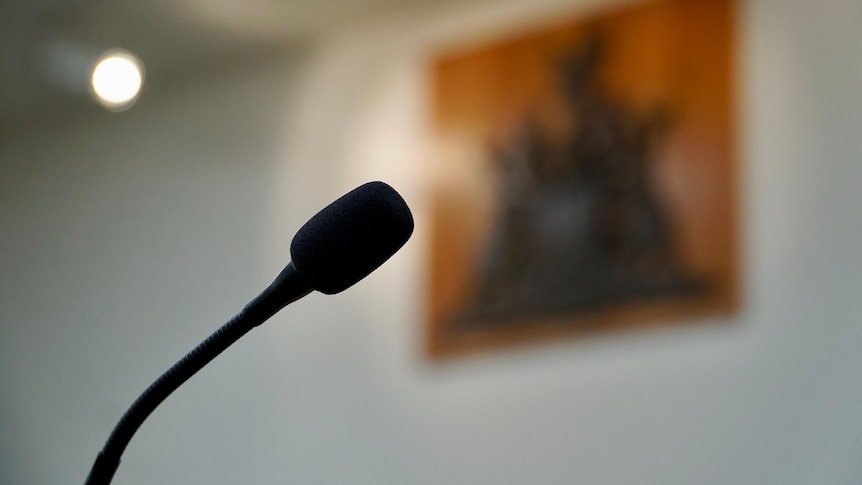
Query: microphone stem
[[287, 287]]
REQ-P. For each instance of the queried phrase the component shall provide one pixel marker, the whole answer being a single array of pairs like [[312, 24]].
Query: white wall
[[116, 262]]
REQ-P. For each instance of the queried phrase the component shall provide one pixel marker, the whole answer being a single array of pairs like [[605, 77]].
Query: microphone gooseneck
[[336, 248], [287, 287]]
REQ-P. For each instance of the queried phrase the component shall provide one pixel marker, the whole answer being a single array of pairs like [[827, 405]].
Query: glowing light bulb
[[117, 79]]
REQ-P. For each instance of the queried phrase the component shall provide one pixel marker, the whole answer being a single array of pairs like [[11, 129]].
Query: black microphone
[[336, 248]]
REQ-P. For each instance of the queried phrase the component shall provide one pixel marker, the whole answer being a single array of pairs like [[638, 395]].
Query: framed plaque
[[584, 178]]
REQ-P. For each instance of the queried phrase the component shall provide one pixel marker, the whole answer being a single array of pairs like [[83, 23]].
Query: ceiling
[[172, 38]]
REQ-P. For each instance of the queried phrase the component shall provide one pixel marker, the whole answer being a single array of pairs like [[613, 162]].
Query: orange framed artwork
[[584, 179]]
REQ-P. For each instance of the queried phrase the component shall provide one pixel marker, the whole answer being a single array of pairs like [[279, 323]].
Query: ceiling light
[[116, 79]]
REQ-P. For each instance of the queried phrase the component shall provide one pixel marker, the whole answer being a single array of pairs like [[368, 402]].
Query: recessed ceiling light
[[117, 79]]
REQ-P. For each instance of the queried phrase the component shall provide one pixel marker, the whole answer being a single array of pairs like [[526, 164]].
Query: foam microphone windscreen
[[351, 237]]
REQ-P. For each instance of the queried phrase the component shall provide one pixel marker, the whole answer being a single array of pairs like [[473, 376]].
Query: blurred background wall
[[126, 238]]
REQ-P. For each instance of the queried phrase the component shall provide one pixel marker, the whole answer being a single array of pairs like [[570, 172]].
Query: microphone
[[335, 249], [351, 237]]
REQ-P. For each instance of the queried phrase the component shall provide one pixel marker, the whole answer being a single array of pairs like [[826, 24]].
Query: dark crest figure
[[579, 224]]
